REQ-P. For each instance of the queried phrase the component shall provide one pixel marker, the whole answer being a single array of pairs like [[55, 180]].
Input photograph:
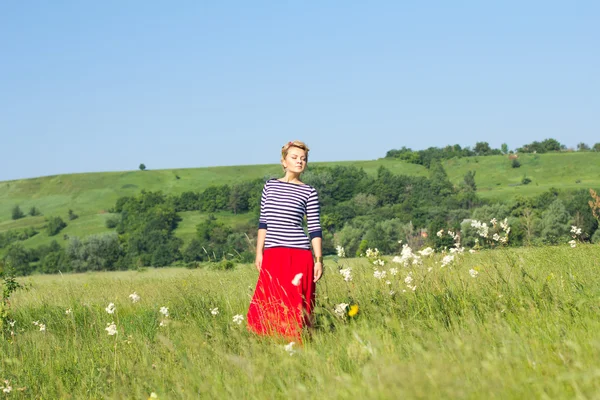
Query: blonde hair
[[296, 143]]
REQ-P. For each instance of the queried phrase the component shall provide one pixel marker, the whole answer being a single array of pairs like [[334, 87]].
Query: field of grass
[[91, 195], [525, 327]]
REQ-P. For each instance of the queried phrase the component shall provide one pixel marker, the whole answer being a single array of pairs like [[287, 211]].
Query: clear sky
[[106, 85]]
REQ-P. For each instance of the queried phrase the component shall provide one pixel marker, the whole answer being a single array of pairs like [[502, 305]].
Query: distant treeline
[[425, 157], [357, 211]]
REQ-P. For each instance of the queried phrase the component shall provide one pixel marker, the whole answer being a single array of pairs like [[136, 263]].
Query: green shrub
[[55, 225]]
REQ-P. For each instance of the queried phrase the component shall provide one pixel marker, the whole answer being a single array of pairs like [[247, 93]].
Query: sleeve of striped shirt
[[262, 219], [313, 212]]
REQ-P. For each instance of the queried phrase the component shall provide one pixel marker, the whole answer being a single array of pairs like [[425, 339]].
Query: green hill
[[90, 195]]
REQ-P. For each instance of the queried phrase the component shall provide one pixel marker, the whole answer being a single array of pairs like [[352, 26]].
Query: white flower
[[290, 348], [11, 323], [494, 221], [297, 279], [392, 292], [440, 233], [68, 311], [504, 225], [496, 237], [340, 309], [42, 327], [346, 273], [394, 271], [372, 253], [451, 234], [379, 262], [429, 269], [447, 260], [164, 311], [111, 328], [163, 323], [238, 319], [426, 252], [473, 273], [379, 274], [413, 288], [215, 311], [575, 230], [36, 323], [408, 280], [472, 251], [111, 308], [388, 282], [340, 252], [134, 297], [153, 395], [573, 243], [7, 388]]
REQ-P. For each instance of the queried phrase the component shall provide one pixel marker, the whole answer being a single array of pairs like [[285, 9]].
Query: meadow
[[498, 324], [91, 195]]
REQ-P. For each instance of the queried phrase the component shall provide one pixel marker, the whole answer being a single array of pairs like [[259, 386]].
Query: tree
[[55, 225], [555, 223], [482, 148], [142, 167], [469, 180], [583, 147], [596, 147], [504, 148], [72, 215], [17, 213], [515, 163], [33, 211]]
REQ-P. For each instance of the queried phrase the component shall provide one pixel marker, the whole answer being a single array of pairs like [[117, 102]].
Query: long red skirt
[[284, 296]]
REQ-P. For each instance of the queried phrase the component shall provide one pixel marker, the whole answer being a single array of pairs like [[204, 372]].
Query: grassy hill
[[90, 195]]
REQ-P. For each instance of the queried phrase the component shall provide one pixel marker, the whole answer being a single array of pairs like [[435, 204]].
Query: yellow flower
[[353, 310]]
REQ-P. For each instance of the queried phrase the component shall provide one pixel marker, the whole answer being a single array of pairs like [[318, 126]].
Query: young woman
[[284, 294]]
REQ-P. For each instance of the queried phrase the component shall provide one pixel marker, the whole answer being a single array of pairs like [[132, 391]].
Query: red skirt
[[285, 292]]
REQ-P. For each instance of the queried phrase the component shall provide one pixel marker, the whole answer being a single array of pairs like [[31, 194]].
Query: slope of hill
[[90, 195]]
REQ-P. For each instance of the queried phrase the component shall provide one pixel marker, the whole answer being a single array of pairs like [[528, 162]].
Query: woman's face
[[295, 161]]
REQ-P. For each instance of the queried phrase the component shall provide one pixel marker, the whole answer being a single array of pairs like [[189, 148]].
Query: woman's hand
[[258, 261], [318, 272]]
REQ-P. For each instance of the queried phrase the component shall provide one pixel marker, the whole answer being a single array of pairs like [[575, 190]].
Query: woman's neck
[[291, 178]]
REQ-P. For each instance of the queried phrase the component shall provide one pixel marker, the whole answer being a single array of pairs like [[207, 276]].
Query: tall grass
[[525, 327]]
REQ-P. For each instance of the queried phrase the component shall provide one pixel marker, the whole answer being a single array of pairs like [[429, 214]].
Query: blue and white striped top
[[283, 206]]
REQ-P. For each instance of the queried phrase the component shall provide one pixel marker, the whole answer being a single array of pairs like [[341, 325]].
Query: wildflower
[[426, 252], [68, 311], [290, 348], [496, 237], [388, 282], [111, 308], [6, 388], [440, 233], [573, 243], [163, 323], [379, 262], [297, 279], [11, 323], [447, 260], [413, 288], [575, 230], [340, 309], [472, 251], [394, 271], [111, 328], [429, 269], [340, 252], [392, 292], [153, 395], [451, 234], [353, 310], [372, 253], [494, 221], [215, 311], [408, 280], [42, 327], [134, 297], [238, 319], [379, 274], [346, 273], [164, 311], [36, 323], [473, 273], [504, 225]]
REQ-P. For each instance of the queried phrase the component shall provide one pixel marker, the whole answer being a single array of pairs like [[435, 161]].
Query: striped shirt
[[283, 206]]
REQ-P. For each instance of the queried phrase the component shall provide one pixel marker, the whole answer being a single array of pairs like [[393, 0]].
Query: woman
[[284, 295]]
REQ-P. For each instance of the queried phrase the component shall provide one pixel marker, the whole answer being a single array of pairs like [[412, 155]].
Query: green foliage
[[554, 227], [515, 163], [582, 147], [142, 167], [94, 253], [72, 215], [526, 180], [33, 211], [55, 225], [17, 213], [596, 147], [18, 257], [113, 221], [504, 148], [547, 145], [469, 181]]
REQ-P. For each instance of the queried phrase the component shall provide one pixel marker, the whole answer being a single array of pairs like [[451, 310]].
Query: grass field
[[525, 327], [91, 195]]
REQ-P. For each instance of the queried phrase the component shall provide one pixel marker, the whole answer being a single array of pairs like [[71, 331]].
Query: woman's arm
[[317, 244], [260, 245]]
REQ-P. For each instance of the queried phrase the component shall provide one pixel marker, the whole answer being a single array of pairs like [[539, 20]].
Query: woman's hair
[[295, 143]]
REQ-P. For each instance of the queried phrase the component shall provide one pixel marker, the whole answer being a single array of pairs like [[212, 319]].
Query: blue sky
[[104, 86]]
